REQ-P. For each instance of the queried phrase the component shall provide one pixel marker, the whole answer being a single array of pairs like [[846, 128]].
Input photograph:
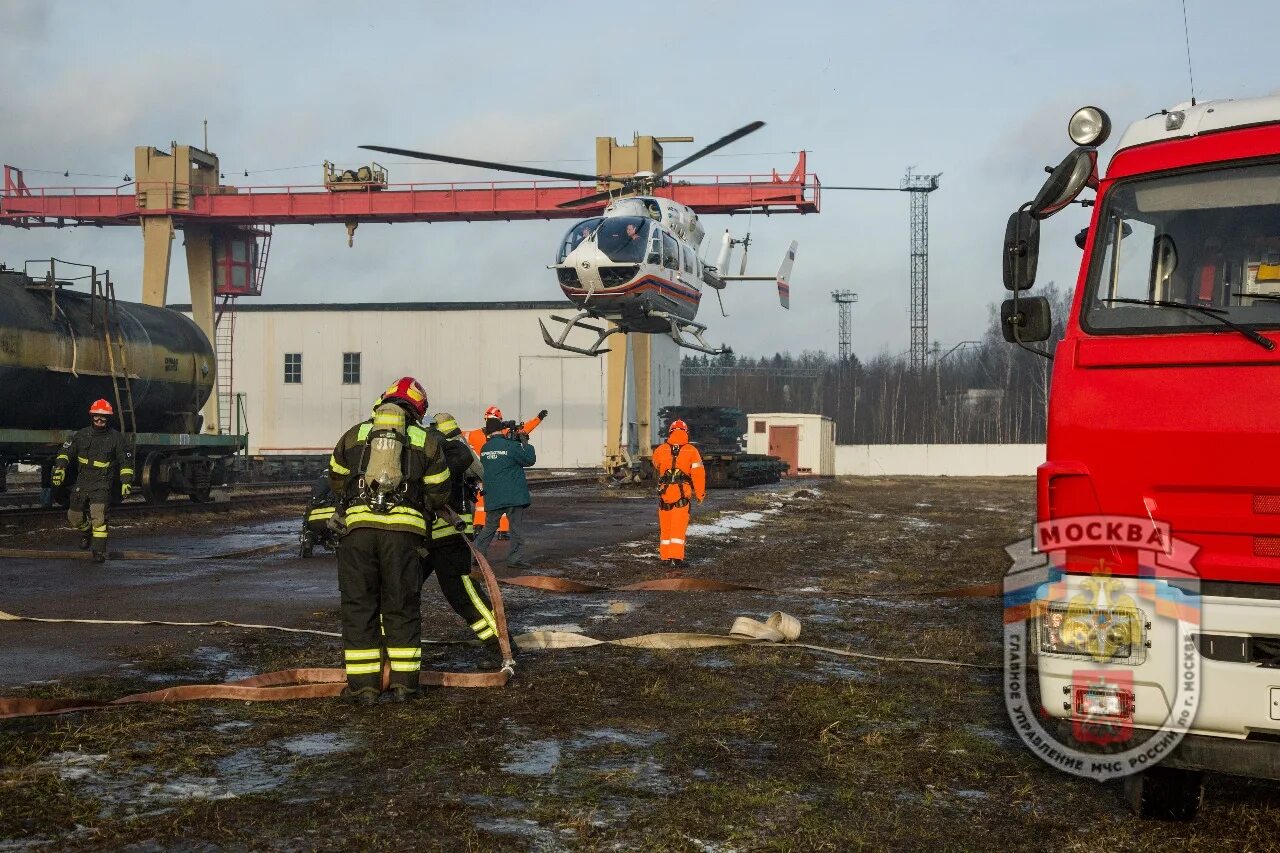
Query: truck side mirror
[[1021, 250], [1031, 320], [1076, 171]]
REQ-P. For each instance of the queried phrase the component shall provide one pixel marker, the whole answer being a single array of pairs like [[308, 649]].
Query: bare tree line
[[978, 392]]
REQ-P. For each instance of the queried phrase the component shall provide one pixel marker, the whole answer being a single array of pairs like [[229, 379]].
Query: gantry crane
[[227, 228]]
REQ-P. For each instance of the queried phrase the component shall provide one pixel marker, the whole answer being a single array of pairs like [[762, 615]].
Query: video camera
[[513, 429]]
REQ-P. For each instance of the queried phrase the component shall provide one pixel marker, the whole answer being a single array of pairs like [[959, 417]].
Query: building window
[[759, 426], [351, 368], [293, 368]]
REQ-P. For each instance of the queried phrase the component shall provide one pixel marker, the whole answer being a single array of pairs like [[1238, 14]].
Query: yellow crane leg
[[200, 270]]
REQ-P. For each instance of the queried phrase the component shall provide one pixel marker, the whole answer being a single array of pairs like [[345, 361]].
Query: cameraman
[[505, 455]]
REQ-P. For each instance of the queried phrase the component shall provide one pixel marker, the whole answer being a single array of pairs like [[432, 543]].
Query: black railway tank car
[[54, 361]]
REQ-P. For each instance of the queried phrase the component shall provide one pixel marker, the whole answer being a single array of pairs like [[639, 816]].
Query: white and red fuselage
[[636, 264]]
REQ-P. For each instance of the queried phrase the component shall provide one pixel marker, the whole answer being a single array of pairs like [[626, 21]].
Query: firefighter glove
[[58, 477], [542, 415], [125, 489], [338, 524]]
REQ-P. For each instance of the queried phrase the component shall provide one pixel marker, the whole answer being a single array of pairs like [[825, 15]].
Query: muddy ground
[[753, 748]]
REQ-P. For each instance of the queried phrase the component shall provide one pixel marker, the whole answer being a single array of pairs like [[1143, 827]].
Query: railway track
[[22, 507], [222, 502]]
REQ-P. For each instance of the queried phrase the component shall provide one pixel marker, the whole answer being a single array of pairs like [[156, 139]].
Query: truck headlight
[[1089, 126], [1101, 634]]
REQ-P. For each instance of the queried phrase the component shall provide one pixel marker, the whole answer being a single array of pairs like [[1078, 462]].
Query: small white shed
[[806, 442]]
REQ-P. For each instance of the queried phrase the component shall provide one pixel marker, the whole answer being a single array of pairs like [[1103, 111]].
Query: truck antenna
[[1186, 32]]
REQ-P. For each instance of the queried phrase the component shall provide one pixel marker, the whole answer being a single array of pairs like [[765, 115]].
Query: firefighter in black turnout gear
[[389, 475], [449, 555], [100, 455]]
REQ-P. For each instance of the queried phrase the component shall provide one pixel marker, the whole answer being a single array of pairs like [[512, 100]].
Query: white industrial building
[[307, 372]]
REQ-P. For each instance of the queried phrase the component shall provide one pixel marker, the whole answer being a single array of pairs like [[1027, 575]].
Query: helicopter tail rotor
[[784, 276], [782, 279]]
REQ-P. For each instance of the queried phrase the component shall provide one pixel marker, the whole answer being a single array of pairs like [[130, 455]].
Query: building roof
[[543, 305]]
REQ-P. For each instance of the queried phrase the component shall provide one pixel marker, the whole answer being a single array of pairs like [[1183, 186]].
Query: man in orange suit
[[681, 480]]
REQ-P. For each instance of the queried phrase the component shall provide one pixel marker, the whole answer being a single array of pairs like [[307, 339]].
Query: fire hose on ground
[[779, 630]]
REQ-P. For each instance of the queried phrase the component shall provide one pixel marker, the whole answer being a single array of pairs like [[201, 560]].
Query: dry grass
[[735, 749]]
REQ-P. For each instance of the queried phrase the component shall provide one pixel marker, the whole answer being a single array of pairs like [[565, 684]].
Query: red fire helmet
[[408, 390], [101, 407]]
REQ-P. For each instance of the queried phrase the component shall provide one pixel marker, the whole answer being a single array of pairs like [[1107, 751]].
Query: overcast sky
[[979, 91]]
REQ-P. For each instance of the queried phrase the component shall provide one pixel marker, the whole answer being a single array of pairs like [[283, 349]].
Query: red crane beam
[[56, 207]]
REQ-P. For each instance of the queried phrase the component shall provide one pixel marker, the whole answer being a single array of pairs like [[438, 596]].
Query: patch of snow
[[726, 523]]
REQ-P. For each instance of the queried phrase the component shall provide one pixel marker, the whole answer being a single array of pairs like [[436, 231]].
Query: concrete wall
[[939, 460], [468, 357]]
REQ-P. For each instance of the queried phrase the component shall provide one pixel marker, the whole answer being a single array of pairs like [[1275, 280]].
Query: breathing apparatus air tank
[[383, 482]]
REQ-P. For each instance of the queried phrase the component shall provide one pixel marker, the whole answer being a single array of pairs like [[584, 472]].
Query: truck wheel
[[1165, 793]]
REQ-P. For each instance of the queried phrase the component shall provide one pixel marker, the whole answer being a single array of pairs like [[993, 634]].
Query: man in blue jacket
[[505, 455]]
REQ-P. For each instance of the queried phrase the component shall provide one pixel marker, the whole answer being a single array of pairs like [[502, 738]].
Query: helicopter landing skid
[[680, 328], [575, 322]]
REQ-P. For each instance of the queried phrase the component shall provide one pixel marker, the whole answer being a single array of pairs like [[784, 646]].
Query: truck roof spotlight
[[1089, 126]]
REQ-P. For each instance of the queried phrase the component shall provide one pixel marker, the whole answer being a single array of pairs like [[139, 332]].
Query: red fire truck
[[1165, 405]]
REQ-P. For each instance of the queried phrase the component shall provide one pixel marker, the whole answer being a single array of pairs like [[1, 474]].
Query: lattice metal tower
[[919, 186], [844, 298]]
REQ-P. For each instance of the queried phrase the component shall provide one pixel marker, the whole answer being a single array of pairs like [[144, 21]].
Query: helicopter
[[636, 264]]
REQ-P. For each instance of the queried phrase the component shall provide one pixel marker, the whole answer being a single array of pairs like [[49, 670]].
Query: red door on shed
[[784, 443]]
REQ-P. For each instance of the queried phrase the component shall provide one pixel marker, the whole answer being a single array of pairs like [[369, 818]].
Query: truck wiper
[[1275, 297], [1214, 313]]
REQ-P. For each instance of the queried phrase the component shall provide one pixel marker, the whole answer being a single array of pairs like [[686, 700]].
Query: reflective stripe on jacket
[[95, 453], [426, 474], [463, 465]]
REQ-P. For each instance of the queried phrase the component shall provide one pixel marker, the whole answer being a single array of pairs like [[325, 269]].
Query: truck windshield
[[1208, 239]]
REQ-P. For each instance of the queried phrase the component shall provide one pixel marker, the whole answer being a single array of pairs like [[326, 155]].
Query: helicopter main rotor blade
[[715, 146], [596, 198], [485, 164]]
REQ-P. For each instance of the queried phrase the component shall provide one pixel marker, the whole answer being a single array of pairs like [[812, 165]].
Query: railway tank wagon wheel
[[155, 486]]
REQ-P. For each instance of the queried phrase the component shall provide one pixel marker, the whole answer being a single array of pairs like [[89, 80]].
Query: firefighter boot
[[84, 541], [403, 693], [404, 687], [366, 696], [99, 556]]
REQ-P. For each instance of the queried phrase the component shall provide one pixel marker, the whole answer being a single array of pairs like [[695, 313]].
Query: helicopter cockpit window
[[623, 238], [652, 208], [576, 235], [670, 252]]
